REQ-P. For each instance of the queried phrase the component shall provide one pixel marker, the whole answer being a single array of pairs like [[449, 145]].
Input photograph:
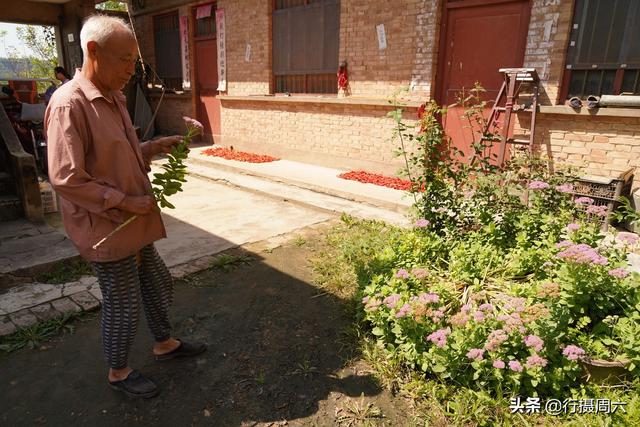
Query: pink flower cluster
[[573, 352], [391, 300], [515, 366], [620, 273], [534, 341], [580, 254], [371, 304], [498, 364], [538, 185], [428, 298], [402, 274], [597, 210], [437, 315], [565, 188], [486, 307], [584, 201], [627, 237], [535, 360], [573, 227], [420, 273], [404, 311], [478, 316], [495, 339], [192, 123], [439, 337], [476, 354], [421, 223]]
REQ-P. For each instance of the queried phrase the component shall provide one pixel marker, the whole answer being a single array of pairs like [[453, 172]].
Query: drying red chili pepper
[[240, 156], [377, 179]]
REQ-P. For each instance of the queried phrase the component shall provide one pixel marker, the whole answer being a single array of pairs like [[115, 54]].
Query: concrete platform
[[27, 248], [319, 179]]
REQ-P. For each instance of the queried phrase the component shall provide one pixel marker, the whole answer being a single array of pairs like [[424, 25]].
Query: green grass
[[33, 336], [229, 262], [67, 271], [344, 249]]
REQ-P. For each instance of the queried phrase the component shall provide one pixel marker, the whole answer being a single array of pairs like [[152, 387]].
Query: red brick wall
[[411, 27]]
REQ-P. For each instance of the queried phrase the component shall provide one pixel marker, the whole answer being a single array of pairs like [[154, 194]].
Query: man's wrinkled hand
[[139, 205], [164, 144]]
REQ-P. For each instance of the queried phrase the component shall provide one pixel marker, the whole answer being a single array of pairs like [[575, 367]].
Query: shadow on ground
[[276, 352]]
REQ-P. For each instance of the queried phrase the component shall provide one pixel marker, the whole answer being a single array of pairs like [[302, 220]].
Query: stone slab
[[23, 318], [45, 312], [85, 300], [64, 305], [6, 326], [29, 295]]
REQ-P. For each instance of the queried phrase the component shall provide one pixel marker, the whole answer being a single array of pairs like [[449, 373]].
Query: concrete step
[[10, 207], [28, 249], [296, 195], [311, 177]]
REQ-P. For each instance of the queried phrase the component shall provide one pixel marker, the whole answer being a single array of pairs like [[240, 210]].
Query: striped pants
[[122, 283]]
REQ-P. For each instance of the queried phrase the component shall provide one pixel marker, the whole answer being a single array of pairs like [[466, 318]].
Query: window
[[166, 32], [305, 46], [603, 57]]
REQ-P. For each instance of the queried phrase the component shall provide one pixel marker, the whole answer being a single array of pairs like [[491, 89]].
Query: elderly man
[[99, 169]]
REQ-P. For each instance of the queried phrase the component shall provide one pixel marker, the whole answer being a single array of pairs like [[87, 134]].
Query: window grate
[[166, 32], [305, 46]]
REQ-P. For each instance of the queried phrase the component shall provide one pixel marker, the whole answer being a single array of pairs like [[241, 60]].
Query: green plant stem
[[118, 228]]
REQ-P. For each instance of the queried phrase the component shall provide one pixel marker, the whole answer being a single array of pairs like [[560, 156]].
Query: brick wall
[[347, 136], [411, 27], [547, 40], [598, 145], [248, 22]]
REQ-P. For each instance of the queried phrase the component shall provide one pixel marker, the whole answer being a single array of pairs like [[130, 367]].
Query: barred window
[[166, 32], [603, 57], [305, 46]]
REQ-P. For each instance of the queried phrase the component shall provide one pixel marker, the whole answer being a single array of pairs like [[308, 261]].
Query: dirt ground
[[277, 356]]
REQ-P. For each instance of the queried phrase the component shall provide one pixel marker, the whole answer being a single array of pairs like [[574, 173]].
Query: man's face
[[115, 60]]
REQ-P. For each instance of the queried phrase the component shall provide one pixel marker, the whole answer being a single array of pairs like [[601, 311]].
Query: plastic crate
[[605, 191], [48, 196]]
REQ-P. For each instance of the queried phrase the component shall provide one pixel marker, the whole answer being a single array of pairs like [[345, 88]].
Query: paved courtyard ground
[[277, 355]]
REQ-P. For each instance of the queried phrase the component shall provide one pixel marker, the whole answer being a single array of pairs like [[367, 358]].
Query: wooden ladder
[[514, 79]]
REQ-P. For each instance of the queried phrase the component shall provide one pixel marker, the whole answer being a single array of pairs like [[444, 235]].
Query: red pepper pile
[[240, 156], [374, 178]]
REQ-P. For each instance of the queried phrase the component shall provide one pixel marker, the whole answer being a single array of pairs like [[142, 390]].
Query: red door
[[478, 39], [206, 71]]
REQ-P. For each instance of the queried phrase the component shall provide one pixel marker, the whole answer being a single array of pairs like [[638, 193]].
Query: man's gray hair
[[99, 28]]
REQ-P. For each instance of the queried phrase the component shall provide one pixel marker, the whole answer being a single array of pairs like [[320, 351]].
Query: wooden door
[[206, 72], [478, 38]]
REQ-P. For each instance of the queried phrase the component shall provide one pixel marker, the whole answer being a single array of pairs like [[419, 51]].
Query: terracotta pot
[[605, 371]]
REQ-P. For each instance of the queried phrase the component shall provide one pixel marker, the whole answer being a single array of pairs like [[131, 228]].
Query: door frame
[[194, 60], [439, 90]]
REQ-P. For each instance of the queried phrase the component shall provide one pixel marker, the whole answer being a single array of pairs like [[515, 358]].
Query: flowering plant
[[505, 281], [170, 181]]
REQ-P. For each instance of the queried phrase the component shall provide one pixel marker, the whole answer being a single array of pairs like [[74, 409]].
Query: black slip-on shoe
[[136, 386], [185, 349]]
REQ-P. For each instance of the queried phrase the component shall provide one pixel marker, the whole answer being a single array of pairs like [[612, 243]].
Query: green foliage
[[119, 6], [502, 278], [170, 181], [67, 271], [32, 336], [229, 262]]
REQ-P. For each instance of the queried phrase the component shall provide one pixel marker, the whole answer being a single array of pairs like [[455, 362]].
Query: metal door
[[478, 38], [206, 71]]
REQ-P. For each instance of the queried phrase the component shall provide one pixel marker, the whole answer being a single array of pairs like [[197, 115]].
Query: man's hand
[[164, 144], [139, 205]]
